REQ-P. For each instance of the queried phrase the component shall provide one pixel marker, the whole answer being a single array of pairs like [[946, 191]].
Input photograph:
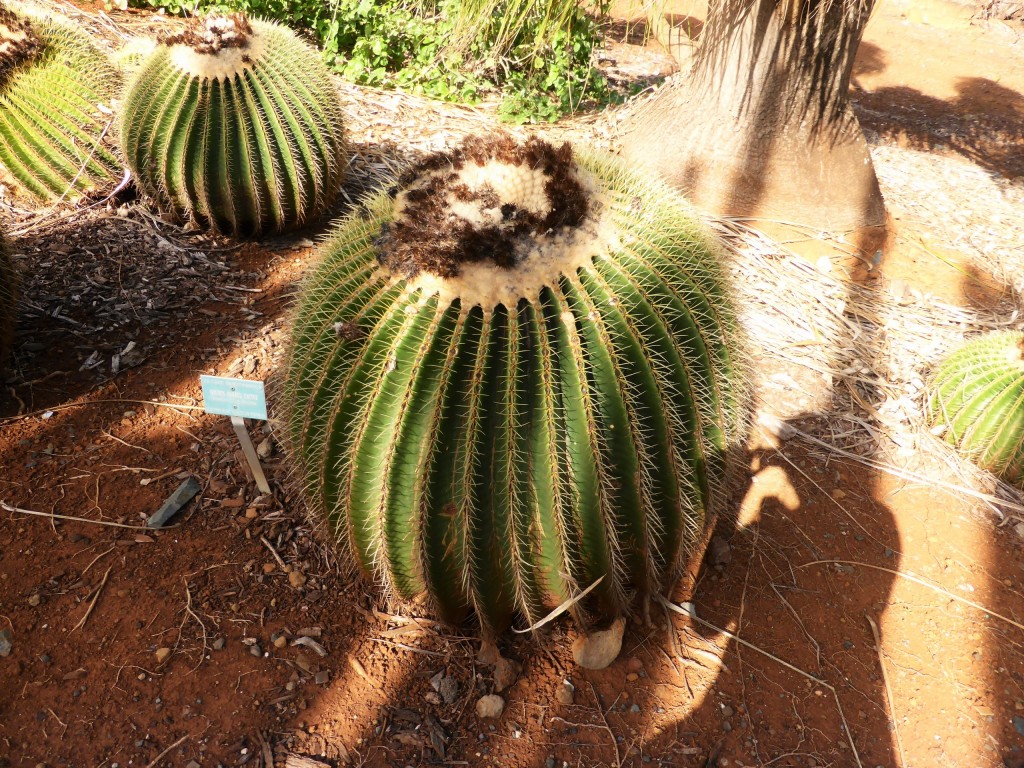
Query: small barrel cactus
[[8, 300], [977, 393], [519, 375], [56, 90], [236, 125]]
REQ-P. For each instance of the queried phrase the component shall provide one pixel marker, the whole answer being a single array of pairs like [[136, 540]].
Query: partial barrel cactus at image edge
[[236, 125], [977, 393], [56, 94], [520, 375]]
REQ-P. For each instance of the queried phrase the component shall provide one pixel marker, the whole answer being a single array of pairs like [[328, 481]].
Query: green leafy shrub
[[542, 69], [521, 374], [977, 393], [235, 126], [56, 91]]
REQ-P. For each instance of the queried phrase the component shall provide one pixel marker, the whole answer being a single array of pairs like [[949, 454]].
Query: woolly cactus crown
[[55, 90], [517, 375], [235, 123], [18, 42]]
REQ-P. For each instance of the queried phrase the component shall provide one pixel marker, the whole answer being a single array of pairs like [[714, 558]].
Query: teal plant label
[[234, 397]]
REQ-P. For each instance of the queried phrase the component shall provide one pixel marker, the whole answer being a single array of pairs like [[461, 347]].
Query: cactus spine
[[56, 89], [978, 394], [518, 376], [235, 125]]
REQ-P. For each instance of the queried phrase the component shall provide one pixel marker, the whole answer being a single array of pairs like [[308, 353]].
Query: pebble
[[162, 655], [297, 579], [506, 672], [218, 643], [599, 649], [727, 711], [281, 641], [192, 764], [255, 650], [635, 708], [632, 677], [34, 599], [566, 693], [322, 677], [6, 642], [490, 706], [549, 763]]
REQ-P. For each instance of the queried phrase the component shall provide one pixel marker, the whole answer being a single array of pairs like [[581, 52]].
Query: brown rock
[[599, 649], [490, 706]]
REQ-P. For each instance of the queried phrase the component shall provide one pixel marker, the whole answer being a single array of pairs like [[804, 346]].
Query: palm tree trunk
[[761, 127]]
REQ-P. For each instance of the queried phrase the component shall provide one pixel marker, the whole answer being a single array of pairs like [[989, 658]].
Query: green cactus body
[[235, 125], [978, 394], [520, 375], [55, 110], [8, 300]]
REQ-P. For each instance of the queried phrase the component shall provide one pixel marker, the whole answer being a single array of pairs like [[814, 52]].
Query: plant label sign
[[234, 397], [240, 399]]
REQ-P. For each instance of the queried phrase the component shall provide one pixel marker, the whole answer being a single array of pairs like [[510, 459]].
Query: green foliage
[[541, 65], [245, 140], [502, 448], [55, 114], [978, 395]]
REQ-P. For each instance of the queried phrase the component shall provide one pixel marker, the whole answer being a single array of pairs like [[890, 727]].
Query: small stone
[[281, 641], [632, 677], [550, 762], [719, 552], [322, 677], [635, 709], [34, 599], [6, 642], [633, 664], [297, 579], [265, 448], [506, 672], [218, 643], [490, 706], [726, 726], [449, 689], [192, 764], [255, 650], [727, 711], [597, 650], [566, 693], [162, 655], [838, 494]]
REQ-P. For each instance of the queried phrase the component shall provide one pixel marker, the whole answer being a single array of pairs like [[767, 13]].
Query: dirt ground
[[847, 617]]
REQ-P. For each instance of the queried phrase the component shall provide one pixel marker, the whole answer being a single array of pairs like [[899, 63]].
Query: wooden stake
[[250, 453]]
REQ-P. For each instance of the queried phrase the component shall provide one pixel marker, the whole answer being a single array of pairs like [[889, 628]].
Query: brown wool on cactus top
[[213, 33], [486, 200], [18, 41]]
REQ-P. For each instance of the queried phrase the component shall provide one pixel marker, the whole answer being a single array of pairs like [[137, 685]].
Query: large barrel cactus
[[517, 376], [236, 125], [56, 91], [8, 300], [977, 393]]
